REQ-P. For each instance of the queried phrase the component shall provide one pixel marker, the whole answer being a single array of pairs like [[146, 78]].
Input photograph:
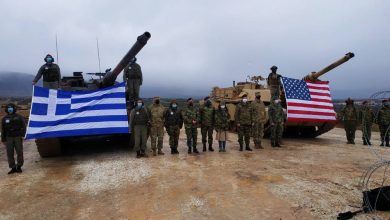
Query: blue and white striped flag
[[58, 113]]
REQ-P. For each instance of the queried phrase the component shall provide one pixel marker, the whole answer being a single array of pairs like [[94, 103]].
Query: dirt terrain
[[305, 179]]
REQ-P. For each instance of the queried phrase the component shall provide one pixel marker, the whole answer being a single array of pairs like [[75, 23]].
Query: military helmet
[[273, 67], [349, 100], [133, 60], [48, 56], [173, 101], [10, 105], [206, 98]]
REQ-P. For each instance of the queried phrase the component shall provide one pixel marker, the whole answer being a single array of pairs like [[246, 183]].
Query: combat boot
[[172, 150], [260, 146], [204, 147], [223, 146], [277, 144], [138, 154], [387, 143], [364, 142], [18, 169], [382, 144], [144, 154], [196, 150], [248, 148], [211, 147], [13, 170], [154, 153], [160, 152], [176, 151], [369, 142], [189, 150], [241, 147], [220, 146]]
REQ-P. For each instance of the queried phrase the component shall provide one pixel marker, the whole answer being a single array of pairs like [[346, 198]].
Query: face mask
[[10, 110], [157, 101], [49, 60], [223, 107], [208, 103], [190, 104], [244, 100], [258, 97], [139, 104], [277, 101], [174, 106]]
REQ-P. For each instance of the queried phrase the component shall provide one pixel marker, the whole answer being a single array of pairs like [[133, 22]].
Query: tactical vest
[[134, 71], [13, 125], [207, 114], [172, 118], [140, 117], [244, 114], [50, 73], [273, 79]]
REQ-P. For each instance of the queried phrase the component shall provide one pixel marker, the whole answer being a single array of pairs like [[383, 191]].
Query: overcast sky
[[196, 45]]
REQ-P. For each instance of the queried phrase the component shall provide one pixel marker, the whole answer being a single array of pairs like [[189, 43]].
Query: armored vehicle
[[232, 96], [54, 146]]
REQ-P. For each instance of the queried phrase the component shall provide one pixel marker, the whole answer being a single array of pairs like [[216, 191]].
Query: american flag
[[308, 101]]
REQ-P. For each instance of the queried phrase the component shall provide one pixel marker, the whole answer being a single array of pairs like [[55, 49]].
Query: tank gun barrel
[[315, 75], [110, 77]]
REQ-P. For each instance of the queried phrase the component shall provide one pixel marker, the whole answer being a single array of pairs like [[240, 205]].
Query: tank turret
[[315, 75]]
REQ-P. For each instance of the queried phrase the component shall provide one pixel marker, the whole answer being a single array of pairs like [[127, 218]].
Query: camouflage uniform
[[273, 81], [366, 117], [207, 126], [243, 118], [173, 124], [276, 118], [349, 116], [221, 119], [132, 75], [191, 119], [383, 121], [156, 112], [259, 118], [139, 121], [12, 132]]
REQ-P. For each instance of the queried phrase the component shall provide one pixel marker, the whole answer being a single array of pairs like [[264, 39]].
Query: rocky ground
[[305, 179]]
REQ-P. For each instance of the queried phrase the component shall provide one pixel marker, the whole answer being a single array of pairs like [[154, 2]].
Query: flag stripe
[[311, 120], [73, 133], [100, 102], [319, 91], [320, 94], [78, 120], [78, 126], [305, 116], [97, 98], [311, 112], [310, 109], [81, 114], [310, 104], [325, 88], [98, 92]]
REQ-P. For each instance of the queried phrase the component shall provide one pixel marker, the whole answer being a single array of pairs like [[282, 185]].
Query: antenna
[[58, 61], [98, 53]]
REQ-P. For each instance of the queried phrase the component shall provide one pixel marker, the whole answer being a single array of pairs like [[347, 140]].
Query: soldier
[[276, 119], [273, 82], [207, 123], [366, 117], [139, 121], [222, 125], [132, 75], [243, 118], [51, 74], [349, 116], [12, 132], [259, 118], [173, 124], [383, 120], [156, 112], [191, 119]]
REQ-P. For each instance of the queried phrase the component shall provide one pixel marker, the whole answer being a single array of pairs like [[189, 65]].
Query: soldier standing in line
[[222, 125], [191, 119], [173, 124], [156, 113], [51, 74], [12, 132], [259, 118], [349, 116], [132, 75], [366, 117], [383, 120], [273, 82], [243, 118], [207, 123], [276, 119], [139, 122]]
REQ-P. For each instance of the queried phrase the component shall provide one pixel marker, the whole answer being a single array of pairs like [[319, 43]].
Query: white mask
[[222, 106], [244, 100]]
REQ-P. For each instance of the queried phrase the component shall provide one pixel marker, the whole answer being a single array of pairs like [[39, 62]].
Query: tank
[[232, 96], [54, 146]]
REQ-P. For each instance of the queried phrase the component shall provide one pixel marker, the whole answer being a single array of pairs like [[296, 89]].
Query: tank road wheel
[[49, 147]]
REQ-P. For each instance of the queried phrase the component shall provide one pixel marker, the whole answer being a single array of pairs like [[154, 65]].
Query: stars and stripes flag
[[308, 101], [59, 113]]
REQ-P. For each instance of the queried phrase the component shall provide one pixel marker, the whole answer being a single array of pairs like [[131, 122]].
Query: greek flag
[[58, 113]]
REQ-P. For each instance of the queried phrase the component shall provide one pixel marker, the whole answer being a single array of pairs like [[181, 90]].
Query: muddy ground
[[305, 179]]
